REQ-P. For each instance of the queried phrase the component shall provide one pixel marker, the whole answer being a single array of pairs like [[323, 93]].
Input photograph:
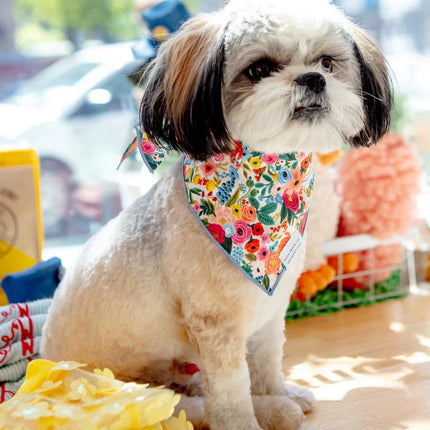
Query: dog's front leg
[[221, 344], [265, 351]]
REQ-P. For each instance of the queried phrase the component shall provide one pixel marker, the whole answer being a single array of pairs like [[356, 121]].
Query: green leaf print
[[233, 199], [269, 208], [207, 207], [152, 164], [251, 257], [227, 244], [265, 219], [266, 282], [254, 202], [284, 213]]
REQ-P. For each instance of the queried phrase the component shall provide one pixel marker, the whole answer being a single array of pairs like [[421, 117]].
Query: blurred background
[[64, 90]]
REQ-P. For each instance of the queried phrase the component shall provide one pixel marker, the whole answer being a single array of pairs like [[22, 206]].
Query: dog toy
[[65, 396], [378, 188], [312, 281], [350, 262], [21, 233], [20, 333], [37, 282]]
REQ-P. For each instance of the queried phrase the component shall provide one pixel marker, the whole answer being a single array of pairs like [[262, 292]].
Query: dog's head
[[283, 76]]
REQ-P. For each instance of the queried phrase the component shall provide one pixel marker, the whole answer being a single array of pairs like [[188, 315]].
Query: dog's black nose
[[314, 81]]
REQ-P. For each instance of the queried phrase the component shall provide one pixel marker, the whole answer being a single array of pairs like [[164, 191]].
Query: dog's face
[[280, 76]]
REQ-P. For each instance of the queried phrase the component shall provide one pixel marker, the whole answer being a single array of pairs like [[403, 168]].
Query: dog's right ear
[[376, 89], [182, 102]]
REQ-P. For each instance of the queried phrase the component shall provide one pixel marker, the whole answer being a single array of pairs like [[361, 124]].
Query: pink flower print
[[242, 232], [270, 158], [147, 147], [219, 157], [292, 201], [217, 232], [223, 215], [197, 208], [208, 168], [258, 269], [265, 238], [263, 253], [295, 184], [278, 188]]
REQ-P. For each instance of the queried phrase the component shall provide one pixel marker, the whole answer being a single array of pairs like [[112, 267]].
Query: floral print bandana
[[253, 205]]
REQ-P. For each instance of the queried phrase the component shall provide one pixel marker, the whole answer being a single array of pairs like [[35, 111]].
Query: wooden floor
[[368, 367]]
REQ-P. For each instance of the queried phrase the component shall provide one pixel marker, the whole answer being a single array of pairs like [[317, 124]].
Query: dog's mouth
[[313, 110], [310, 108]]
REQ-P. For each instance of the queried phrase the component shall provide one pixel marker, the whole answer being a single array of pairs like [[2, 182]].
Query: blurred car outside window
[[79, 115]]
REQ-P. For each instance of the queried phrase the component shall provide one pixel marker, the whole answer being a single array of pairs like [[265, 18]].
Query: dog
[[152, 296]]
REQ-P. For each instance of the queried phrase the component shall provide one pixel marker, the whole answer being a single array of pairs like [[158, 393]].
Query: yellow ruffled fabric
[[63, 396]]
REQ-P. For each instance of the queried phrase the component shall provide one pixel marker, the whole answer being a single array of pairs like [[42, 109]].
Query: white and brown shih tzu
[[197, 273]]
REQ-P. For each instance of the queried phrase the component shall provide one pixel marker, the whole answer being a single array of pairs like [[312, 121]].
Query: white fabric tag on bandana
[[291, 248]]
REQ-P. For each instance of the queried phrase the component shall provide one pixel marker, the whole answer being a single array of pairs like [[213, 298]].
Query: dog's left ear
[[376, 90], [182, 102]]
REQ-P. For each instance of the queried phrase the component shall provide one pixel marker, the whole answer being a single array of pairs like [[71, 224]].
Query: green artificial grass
[[330, 301]]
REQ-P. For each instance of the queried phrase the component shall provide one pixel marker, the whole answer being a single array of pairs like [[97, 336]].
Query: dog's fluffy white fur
[[151, 291], [324, 217]]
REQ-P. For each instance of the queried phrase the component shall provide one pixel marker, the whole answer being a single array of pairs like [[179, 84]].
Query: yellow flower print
[[255, 162], [196, 179], [82, 390], [33, 411], [210, 186], [236, 211]]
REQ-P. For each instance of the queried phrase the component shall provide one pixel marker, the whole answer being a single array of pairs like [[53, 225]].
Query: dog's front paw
[[303, 397], [277, 412]]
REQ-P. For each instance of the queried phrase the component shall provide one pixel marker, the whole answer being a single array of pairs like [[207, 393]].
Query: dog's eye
[[327, 63], [261, 69]]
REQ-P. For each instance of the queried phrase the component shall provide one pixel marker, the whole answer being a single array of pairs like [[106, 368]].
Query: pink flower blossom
[[217, 232], [292, 201], [263, 253], [147, 147], [242, 232], [258, 269], [208, 168], [223, 215], [265, 238], [270, 158], [295, 185], [278, 189], [219, 157]]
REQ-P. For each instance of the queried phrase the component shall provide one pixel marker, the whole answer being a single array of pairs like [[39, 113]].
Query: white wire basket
[[398, 279]]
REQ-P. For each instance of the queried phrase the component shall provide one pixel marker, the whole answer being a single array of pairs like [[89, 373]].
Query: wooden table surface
[[368, 367]]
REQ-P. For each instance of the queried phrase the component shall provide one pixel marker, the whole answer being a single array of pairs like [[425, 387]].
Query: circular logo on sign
[[8, 230], [160, 32]]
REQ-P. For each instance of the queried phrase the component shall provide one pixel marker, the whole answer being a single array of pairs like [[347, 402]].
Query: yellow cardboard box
[[21, 232]]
